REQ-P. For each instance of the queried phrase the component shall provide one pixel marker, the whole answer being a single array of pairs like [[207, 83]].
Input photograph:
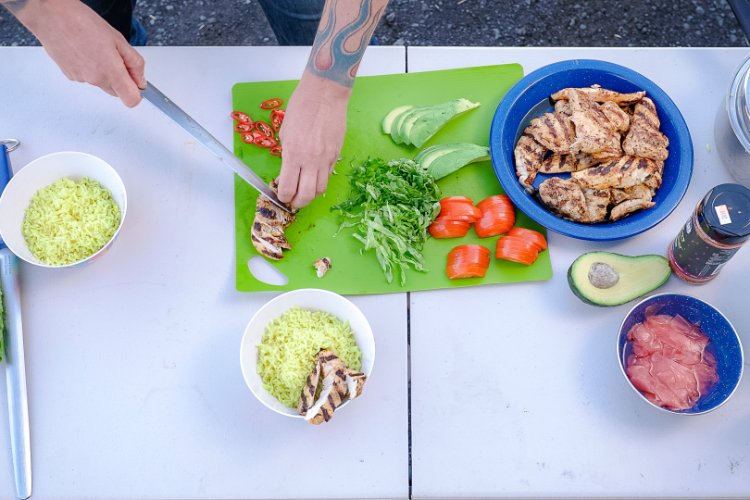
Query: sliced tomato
[[241, 117], [275, 151], [498, 216], [265, 142], [277, 118], [467, 261], [530, 235], [516, 249], [264, 128], [459, 208], [272, 103], [243, 128], [447, 228]]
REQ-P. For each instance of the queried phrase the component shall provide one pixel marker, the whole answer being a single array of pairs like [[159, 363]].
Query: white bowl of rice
[[62, 209], [284, 336]]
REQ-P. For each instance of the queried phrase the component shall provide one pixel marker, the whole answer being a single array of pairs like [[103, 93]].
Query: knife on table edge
[[169, 108], [15, 366]]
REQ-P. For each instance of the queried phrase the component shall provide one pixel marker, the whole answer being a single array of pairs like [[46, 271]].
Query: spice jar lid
[[725, 213]]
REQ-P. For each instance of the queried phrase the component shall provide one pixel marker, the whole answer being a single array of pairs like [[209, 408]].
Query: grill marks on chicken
[[267, 233], [615, 158]]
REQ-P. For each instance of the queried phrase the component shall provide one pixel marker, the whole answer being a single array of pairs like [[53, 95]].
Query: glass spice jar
[[719, 226]]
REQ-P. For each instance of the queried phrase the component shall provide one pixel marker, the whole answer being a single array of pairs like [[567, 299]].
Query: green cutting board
[[315, 232]]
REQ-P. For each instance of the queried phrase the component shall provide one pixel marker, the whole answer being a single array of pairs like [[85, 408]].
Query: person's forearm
[[346, 27]]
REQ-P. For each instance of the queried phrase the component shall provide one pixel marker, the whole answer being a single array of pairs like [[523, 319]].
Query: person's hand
[[311, 136], [86, 47]]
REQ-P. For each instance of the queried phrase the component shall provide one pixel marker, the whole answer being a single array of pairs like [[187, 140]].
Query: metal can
[[732, 127], [719, 226]]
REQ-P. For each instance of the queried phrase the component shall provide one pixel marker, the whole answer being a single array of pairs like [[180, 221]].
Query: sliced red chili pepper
[[497, 217], [277, 118], [447, 228], [265, 142], [534, 237], [248, 139], [516, 249], [459, 208], [467, 261], [243, 128], [264, 129], [271, 103], [241, 117], [275, 151]]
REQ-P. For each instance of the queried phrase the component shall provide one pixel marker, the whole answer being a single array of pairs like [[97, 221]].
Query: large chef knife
[[15, 367], [165, 104]]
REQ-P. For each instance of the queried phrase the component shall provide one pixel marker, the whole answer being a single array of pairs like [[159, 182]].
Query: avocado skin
[[615, 260]]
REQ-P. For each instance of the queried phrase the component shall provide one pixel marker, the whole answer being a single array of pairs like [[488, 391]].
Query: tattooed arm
[[84, 46], [315, 122]]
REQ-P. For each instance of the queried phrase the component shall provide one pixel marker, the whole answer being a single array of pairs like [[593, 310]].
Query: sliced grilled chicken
[[355, 382], [598, 94], [565, 197], [528, 155], [267, 233], [338, 384], [554, 131], [322, 266], [629, 206], [621, 173], [307, 398], [644, 138], [557, 164]]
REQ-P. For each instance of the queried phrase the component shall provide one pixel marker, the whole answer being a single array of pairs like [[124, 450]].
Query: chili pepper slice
[[447, 228], [516, 249], [277, 118], [459, 208], [534, 237], [264, 129], [241, 117], [497, 217], [248, 139], [265, 142], [243, 128], [275, 151], [467, 261], [272, 103]]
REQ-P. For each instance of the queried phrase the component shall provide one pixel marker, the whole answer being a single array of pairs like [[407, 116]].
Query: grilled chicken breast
[[621, 173], [644, 138], [617, 117], [598, 94], [565, 197], [554, 131], [597, 202], [267, 233], [595, 133], [528, 155], [557, 164], [640, 191], [629, 206]]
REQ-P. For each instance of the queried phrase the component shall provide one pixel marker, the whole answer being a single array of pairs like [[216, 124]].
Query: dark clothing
[[118, 13]]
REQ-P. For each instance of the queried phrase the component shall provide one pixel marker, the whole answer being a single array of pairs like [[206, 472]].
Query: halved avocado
[[611, 279], [392, 115]]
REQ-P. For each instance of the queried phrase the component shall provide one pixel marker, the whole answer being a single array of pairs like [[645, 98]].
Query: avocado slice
[[454, 158], [440, 114], [410, 120], [397, 121], [428, 155], [611, 279], [392, 115]]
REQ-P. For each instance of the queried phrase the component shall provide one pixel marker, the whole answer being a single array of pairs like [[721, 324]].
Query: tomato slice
[[265, 142], [448, 228], [275, 151], [467, 261], [272, 103], [264, 128], [529, 235], [497, 216], [277, 118], [243, 128], [459, 208], [241, 117], [516, 249]]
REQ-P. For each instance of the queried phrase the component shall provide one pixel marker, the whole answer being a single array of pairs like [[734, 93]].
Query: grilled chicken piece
[[644, 138], [557, 164], [595, 133], [322, 266], [629, 206], [598, 94], [528, 155], [267, 233], [614, 113], [554, 131], [565, 197], [339, 384], [597, 202], [585, 161], [563, 106], [621, 173], [307, 398], [355, 382], [641, 191]]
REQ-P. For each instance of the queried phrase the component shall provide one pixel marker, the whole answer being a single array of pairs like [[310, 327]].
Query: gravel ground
[[658, 23]]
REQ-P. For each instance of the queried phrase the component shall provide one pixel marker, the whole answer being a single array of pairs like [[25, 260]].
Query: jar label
[[722, 212], [696, 255]]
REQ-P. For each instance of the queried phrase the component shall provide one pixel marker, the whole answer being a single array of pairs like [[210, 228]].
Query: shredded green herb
[[390, 206]]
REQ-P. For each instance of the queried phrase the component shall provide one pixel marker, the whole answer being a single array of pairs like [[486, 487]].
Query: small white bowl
[[311, 299], [41, 173]]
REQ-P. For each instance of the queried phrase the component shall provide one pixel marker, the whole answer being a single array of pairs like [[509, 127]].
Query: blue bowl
[[529, 98], [724, 343]]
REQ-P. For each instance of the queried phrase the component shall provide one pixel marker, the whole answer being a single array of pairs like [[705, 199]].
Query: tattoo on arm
[[14, 5], [341, 42]]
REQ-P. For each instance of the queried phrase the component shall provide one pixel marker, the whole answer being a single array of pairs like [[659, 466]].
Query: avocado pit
[[603, 275]]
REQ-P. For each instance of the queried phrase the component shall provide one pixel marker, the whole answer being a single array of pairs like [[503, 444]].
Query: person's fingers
[[134, 63], [126, 89], [308, 182], [288, 179]]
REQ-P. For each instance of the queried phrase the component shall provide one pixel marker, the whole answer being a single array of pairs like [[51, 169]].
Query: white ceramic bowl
[[312, 299], [41, 173]]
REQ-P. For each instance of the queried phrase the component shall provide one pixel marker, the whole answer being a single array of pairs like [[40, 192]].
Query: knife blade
[[15, 366], [169, 108]]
